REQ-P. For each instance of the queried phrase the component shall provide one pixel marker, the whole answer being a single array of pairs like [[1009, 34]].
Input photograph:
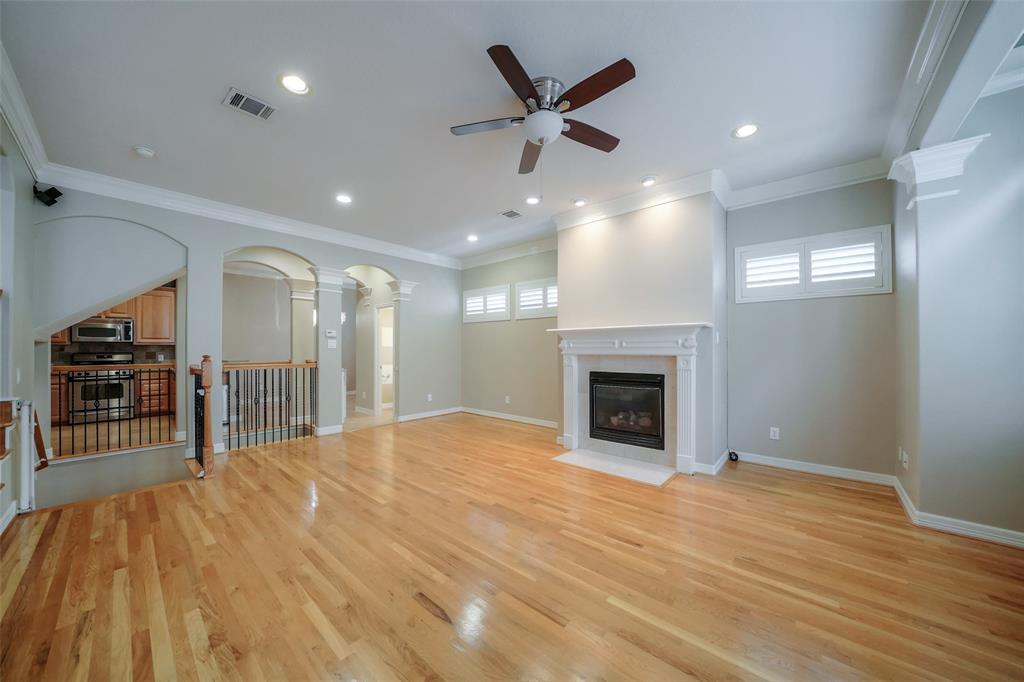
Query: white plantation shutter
[[537, 298], [485, 305], [836, 264], [772, 271]]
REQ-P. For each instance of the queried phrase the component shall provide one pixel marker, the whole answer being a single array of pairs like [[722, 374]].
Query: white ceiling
[[389, 79]]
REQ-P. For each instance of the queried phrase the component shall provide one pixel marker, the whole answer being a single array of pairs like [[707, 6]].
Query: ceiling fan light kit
[[546, 99]]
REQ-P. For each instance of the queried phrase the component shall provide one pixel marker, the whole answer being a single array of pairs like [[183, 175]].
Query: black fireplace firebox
[[628, 408]]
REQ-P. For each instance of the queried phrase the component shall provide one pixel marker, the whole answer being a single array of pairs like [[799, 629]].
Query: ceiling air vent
[[248, 104], [511, 214]]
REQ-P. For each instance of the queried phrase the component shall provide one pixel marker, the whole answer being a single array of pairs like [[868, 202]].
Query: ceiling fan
[[546, 99]]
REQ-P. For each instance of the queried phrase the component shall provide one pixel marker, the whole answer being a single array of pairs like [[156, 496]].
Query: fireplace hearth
[[628, 408]]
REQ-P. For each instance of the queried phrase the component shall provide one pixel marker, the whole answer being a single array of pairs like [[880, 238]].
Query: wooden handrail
[[40, 445], [92, 368], [267, 365]]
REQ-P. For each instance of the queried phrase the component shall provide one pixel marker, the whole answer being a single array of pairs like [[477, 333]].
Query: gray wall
[[971, 317], [257, 319], [348, 337], [905, 287], [518, 358], [17, 375], [826, 371]]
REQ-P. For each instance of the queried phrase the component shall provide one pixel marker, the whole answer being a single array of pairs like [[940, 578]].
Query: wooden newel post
[[207, 381]]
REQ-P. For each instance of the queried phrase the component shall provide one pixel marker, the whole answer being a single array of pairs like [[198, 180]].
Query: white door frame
[[378, 397]]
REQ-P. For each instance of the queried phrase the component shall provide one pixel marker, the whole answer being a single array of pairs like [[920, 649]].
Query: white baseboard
[[558, 440], [180, 435], [711, 469], [822, 469], [948, 524], [218, 448], [352, 392], [426, 415], [512, 417], [364, 410], [387, 406], [9, 514], [328, 430]]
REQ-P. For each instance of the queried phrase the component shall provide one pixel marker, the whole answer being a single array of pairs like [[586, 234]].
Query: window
[[538, 298], [485, 305], [835, 264]]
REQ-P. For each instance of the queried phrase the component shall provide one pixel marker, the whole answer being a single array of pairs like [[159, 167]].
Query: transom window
[[835, 264], [485, 305], [537, 298]]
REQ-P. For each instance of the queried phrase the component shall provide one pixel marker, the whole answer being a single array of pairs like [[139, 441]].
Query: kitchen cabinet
[[61, 338], [155, 313], [124, 310], [154, 393], [58, 398]]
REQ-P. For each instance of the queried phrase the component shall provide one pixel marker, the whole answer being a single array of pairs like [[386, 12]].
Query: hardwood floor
[[455, 548]]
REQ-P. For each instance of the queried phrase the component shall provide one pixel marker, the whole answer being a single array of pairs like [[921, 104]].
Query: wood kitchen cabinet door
[[123, 310], [61, 338], [154, 316]]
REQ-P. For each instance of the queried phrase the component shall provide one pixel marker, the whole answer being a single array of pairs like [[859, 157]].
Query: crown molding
[[818, 181], [401, 289], [713, 181], [510, 253], [939, 25], [104, 185], [934, 163], [19, 118]]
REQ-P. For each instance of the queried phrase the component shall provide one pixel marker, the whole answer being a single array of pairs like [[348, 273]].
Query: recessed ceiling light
[[745, 130], [533, 201], [145, 152], [648, 180], [295, 85], [344, 199], [579, 203], [472, 238]]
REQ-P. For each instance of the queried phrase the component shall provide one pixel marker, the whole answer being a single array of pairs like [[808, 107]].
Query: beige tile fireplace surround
[[667, 349]]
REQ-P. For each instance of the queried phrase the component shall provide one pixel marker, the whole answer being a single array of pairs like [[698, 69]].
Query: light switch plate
[[773, 432]]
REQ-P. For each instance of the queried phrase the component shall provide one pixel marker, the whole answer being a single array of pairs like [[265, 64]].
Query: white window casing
[[490, 304], [848, 263], [537, 298]]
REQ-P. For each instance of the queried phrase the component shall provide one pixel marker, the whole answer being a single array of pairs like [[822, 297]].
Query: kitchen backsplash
[[61, 355]]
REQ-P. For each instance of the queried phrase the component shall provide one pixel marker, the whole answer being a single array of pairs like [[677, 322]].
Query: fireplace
[[628, 408]]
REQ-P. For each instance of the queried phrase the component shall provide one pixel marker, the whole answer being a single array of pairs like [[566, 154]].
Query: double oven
[[99, 395]]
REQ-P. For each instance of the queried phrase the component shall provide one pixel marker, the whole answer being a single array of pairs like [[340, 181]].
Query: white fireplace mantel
[[678, 340]]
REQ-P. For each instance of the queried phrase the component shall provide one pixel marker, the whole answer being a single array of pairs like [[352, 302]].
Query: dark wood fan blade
[[513, 72], [531, 152], [484, 126], [590, 136], [598, 85]]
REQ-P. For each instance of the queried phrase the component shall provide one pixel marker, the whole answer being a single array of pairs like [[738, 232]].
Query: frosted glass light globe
[[543, 127]]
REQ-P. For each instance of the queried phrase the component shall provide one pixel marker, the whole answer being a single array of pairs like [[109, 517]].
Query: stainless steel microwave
[[103, 330]]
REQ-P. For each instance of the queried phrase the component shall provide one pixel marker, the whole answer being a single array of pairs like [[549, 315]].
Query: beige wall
[[652, 266], [825, 371], [518, 358], [257, 319]]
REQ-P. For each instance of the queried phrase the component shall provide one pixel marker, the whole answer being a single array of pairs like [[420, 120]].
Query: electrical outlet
[[364, 395], [773, 432], [508, 400], [430, 397], [904, 459]]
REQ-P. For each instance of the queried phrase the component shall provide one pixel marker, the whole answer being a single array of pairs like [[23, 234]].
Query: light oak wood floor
[[455, 548]]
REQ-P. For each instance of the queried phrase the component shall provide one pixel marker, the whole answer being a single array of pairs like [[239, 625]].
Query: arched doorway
[[372, 338]]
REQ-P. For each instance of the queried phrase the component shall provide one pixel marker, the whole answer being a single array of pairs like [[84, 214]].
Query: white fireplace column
[[678, 341]]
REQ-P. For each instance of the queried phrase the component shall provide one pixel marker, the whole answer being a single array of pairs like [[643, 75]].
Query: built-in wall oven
[[99, 395], [103, 330]]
